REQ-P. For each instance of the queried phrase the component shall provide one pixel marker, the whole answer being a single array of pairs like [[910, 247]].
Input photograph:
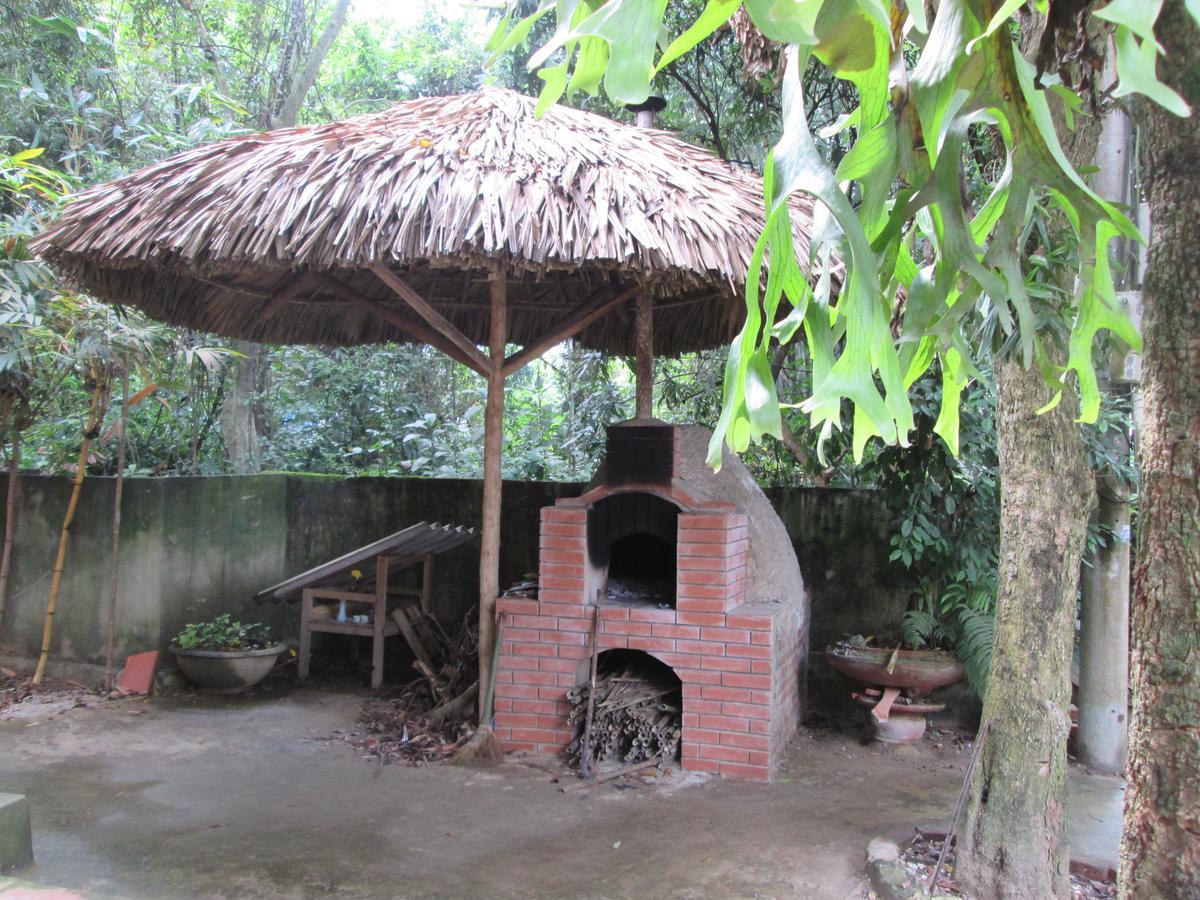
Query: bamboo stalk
[[95, 412], [122, 425], [10, 517]]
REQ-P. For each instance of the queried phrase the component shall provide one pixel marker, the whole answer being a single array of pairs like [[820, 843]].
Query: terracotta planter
[[227, 671], [917, 671]]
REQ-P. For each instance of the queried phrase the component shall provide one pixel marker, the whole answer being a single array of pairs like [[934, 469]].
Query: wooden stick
[[493, 447], [616, 773], [644, 332], [568, 326], [959, 805], [122, 425], [585, 756], [454, 707]]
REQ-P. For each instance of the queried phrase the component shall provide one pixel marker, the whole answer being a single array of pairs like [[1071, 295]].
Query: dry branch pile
[[429, 718], [635, 719]]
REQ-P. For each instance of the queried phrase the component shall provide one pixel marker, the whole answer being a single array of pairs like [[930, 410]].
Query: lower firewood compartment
[[637, 712]]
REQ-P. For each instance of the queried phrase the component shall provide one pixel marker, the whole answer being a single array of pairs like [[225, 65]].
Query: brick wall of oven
[[737, 661]]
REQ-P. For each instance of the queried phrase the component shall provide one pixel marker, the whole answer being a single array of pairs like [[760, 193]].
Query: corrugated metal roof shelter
[[338, 581]]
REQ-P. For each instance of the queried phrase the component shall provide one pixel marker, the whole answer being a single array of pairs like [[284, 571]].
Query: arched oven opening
[[632, 543], [637, 713]]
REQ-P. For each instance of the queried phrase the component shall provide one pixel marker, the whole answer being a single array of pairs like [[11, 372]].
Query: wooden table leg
[[380, 619], [306, 607]]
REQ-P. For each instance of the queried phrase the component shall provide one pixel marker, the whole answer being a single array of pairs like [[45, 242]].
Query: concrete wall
[[195, 547]]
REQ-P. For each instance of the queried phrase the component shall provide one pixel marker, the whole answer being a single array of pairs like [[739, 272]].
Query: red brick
[[702, 536], [725, 754], [522, 691], [520, 720], [729, 635], [612, 641], [704, 592], [558, 665], [701, 736], [703, 563], [568, 679], [688, 632], [563, 529], [702, 521], [565, 610], [734, 695], [651, 644], [503, 677], [750, 773], [518, 605], [572, 651], [702, 765], [535, 650], [537, 735], [760, 638], [539, 677], [582, 625], [555, 693], [554, 542], [614, 614], [699, 618], [558, 569], [679, 661], [695, 676], [760, 758], [760, 667], [554, 721], [746, 710], [760, 726], [543, 707], [739, 679], [702, 576], [563, 514], [570, 557], [642, 628], [746, 741], [558, 582], [659, 616], [534, 622], [692, 605], [711, 551], [726, 664], [521, 634], [724, 723], [704, 648], [692, 690], [689, 720], [550, 749], [706, 707], [501, 704], [576, 638], [748, 651], [562, 598], [508, 661], [761, 697]]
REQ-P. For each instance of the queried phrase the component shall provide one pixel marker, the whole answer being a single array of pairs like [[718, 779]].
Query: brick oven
[[690, 566]]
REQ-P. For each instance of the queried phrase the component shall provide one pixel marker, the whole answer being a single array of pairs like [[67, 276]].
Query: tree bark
[[1012, 844], [306, 77], [115, 563], [239, 424], [1160, 846], [493, 451]]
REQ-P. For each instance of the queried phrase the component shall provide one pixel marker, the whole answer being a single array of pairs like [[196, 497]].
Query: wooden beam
[[493, 447], [644, 335], [475, 361], [567, 327], [435, 319], [284, 296]]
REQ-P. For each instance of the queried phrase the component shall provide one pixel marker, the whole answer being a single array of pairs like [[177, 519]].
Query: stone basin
[[918, 671]]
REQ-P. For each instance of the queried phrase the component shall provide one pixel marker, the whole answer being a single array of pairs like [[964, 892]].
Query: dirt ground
[[193, 796]]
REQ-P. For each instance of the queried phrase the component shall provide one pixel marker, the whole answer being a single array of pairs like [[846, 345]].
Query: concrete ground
[[247, 797]]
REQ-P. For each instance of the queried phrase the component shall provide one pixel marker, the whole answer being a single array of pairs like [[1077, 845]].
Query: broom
[[483, 749]]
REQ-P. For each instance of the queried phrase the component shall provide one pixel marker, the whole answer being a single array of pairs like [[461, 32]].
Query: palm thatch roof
[[271, 237]]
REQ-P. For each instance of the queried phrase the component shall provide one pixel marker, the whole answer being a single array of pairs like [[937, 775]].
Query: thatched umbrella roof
[[264, 236]]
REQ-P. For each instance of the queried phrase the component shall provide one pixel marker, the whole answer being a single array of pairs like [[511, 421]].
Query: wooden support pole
[[644, 407], [427, 585], [493, 447]]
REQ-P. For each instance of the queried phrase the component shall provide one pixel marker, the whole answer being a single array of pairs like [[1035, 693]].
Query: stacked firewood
[[634, 719]]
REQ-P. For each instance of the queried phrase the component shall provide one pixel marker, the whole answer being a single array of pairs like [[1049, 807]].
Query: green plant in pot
[[224, 655]]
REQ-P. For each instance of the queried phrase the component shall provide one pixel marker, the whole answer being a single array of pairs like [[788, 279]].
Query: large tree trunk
[[1160, 848], [240, 426], [1012, 844]]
